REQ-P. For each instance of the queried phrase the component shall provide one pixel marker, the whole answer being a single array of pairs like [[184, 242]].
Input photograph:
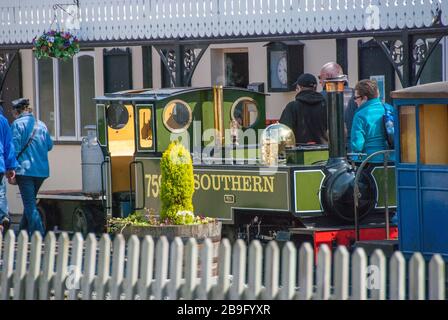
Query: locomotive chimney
[[335, 115]]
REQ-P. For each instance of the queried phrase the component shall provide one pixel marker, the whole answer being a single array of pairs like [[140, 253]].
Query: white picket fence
[[98, 20], [83, 269]]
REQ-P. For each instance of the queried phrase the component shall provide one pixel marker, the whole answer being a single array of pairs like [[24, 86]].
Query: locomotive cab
[[135, 127]]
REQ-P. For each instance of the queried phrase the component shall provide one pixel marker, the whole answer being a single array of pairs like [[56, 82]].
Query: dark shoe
[[5, 224]]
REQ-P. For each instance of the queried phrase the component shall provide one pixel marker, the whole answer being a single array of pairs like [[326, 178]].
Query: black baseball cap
[[306, 80], [20, 103]]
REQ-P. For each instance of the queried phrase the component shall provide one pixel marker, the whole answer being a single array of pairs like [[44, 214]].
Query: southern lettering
[[218, 182]]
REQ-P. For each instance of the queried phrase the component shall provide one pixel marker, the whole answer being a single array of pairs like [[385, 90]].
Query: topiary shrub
[[177, 187]]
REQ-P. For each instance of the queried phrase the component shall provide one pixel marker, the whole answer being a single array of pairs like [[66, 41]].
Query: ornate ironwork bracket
[[180, 61], [409, 54], [6, 60]]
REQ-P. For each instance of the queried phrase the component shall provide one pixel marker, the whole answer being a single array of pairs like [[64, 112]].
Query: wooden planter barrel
[[200, 232]]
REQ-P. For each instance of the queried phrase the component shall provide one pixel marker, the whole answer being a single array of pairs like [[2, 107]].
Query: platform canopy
[[430, 90], [168, 20]]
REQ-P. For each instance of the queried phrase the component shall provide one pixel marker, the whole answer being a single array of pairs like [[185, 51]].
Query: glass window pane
[[117, 116], [245, 112], [408, 136], [46, 93], [66, 99], [86, 89], [177, 116], [237, 69], [101, 124], [145, 128], [433, 134], [433, 70]]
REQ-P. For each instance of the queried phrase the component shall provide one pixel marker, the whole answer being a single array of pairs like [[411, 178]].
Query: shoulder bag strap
[[29, 140]]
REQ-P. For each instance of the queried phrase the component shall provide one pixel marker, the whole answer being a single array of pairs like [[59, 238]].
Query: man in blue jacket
[[32, 142], [7, 165], [368, 133]]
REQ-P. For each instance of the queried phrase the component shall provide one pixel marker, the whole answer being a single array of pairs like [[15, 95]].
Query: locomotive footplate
[[336, 236]]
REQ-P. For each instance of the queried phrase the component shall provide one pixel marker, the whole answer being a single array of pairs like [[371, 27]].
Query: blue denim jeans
[[31, 221], [3, 200]]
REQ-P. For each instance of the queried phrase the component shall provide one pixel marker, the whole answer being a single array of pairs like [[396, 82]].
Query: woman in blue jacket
[[368, 133], [32, 143]]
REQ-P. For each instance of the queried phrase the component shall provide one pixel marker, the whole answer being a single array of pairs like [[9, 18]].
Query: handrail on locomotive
[[357, 194]]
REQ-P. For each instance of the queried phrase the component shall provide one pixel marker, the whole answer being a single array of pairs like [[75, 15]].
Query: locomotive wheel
[[47, 215], [82, 220]]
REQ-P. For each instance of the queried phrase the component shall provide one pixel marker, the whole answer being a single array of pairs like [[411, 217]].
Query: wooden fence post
[[20, 270], [238, 270], [323, 276], [377, 275], [130, 282], [191, 269], [102, 280], [73, 280], [221, 290], [272, 271], [437, 278], [289, 271], [417, 277], [176, 264], [162, 251], [47, 276], [206, 270], [61, 266], [146, 268], [341, 273], [306, 272], [8, 265], [32, 279], [359, 275], [255, 270], [88, 277], [116, 281], [397, 285]]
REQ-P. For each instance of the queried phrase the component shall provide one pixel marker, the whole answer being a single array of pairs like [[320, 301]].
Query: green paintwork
[[211, 203], [378, 175], [307, 188], [306, 157], [101, 124]]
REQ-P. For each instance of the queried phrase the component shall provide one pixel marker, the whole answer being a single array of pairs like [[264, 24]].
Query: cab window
[[177, 116], [145, 127], [245, 112]]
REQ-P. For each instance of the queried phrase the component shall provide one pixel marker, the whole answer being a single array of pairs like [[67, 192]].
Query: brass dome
[[275, 139]]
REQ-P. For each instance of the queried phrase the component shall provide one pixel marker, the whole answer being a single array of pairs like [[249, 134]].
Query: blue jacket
[[8, 156], [368, 134], [34, 160]]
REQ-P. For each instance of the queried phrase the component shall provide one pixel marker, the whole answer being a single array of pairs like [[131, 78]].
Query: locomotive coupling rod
[[356, 193]]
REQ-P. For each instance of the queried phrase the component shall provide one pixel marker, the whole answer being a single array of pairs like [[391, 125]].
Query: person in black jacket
[[307, 114]]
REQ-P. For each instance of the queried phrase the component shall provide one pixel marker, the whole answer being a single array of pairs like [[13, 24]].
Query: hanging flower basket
[[56, 44]]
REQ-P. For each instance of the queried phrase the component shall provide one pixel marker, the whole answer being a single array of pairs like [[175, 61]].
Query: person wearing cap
[[32, 142], [307, 114], [334, 70], [7, 165]]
